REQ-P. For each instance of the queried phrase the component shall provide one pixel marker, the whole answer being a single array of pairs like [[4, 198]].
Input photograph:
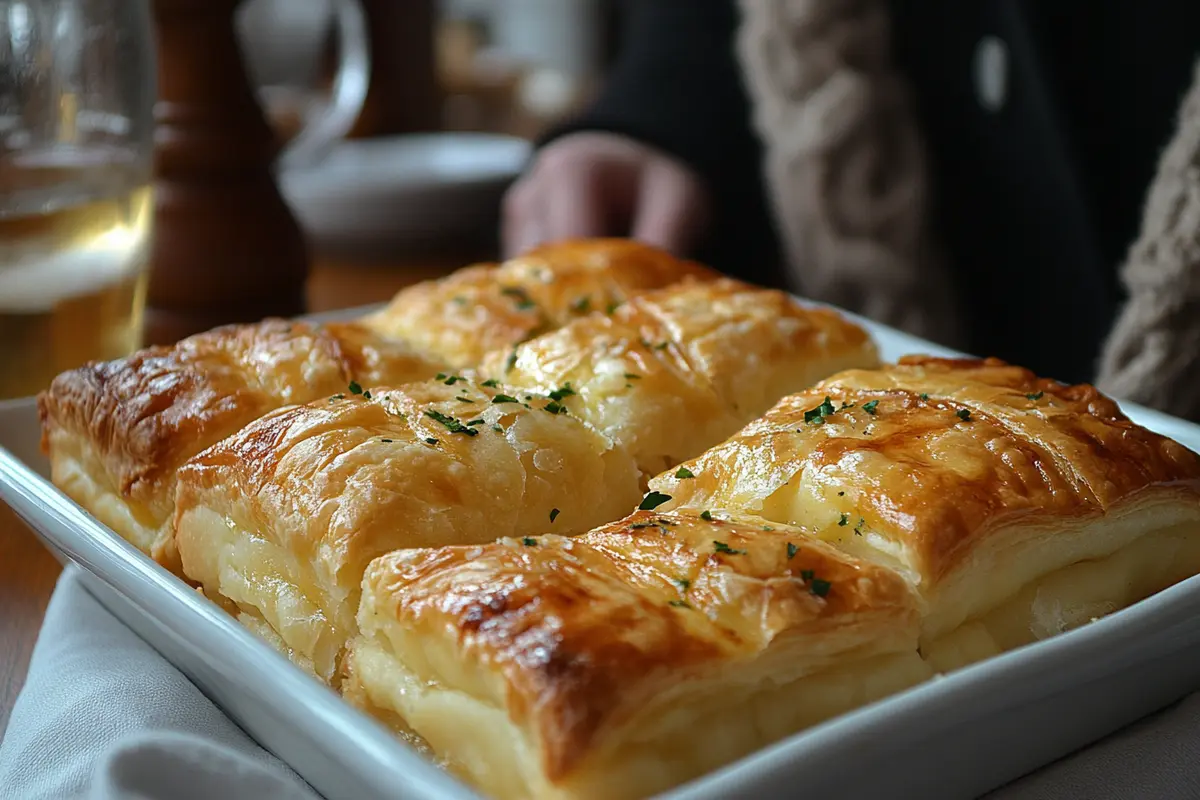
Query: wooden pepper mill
[[226, 247]]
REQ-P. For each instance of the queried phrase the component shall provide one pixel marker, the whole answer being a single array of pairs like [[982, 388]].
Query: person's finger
[[576, 204], [672, 209], [521, 223]]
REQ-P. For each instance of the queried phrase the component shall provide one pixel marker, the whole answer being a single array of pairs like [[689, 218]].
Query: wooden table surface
[[28, 572]]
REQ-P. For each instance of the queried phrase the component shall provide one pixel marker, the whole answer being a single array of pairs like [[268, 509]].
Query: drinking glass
[[77, 89]]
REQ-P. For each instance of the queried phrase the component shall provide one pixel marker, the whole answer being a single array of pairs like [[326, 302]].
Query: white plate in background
[[374, 197]]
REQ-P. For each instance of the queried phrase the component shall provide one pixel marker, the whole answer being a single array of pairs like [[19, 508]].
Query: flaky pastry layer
[[281, 519], [971, 478], [632, 658]]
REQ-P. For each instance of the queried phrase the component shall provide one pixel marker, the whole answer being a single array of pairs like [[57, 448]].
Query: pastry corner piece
[[631, 659], [116, 432], [1017, 507]]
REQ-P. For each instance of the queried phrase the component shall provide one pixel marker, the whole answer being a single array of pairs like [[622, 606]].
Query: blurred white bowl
[[372, 198]]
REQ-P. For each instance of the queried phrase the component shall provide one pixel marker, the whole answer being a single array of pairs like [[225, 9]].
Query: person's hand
[[602, 184]]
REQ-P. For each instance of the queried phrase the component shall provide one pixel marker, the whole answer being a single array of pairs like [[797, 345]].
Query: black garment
[[1037, 201]]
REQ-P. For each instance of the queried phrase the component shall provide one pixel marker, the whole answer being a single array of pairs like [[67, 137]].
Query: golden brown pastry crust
[[137, 419], [282, 517], [934, 466], [673, 371], [461, 318], [579, 641]]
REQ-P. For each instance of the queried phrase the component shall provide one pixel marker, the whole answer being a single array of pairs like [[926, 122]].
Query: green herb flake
[[367, 395], [683, 473], [453, 379], [924, 396], [816, 416], [497, 428], [464, 399], [430, 440], [964, 414], [819, 587], [678, 604], [386, 441], [1035, 396], [610, 308], [474, 422], [721, 547], [792, 550], [841, 494], [563, 391], [504, 398], [553, 514], [529, 541], [582, 305], [844, 520], [632, 376], [683, 583], [653, 500], [871, 406], [661, 346], [555, 407], [337, 397], [520, 295], [806, 575], [510, 362], [451, 424], [491, 383], [706, 515], [355, 388]]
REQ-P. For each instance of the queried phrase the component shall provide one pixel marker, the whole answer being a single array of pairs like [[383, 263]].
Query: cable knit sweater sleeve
[[1153, 353]]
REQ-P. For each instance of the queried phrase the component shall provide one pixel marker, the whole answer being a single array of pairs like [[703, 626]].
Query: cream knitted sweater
[[845, 167]]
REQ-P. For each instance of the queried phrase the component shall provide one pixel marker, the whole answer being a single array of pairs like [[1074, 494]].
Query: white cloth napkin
[[102, 716]]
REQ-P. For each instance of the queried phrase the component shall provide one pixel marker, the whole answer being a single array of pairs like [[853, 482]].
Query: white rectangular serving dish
[[955, 737]]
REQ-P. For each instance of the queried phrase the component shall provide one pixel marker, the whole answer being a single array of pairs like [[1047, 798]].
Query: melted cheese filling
[[716, 722], [277, 595], [1070, 597]]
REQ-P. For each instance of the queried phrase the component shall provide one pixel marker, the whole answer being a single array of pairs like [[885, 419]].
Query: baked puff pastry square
[[1017, 507], [463, 317], [628, 660], [117, 432], [673, 371], [278, 521]]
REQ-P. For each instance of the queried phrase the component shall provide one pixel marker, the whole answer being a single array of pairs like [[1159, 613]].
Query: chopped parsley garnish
[[661, 346], [706, 515], [491, 383], [497, 428], [520, 295], [430, 440], [1035, 396], [792, 550], [338, 396], [871, 406], [806, 575], [858, 528], [964, 414], [816, 416], [653, 500], [610, 308], [678, 603], [464, 399], [355, 388], [474, 422], [450, 380], [683, 583], [582, 305], [632, 376], [451, 424], [683, 473], [510, 362], [555, 407], [367, 395], [504, 398], [924, 396], [386, 441], [529, 541], [563, 391], [721, 547], [819, 587], [845, 519], [553, 514]]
